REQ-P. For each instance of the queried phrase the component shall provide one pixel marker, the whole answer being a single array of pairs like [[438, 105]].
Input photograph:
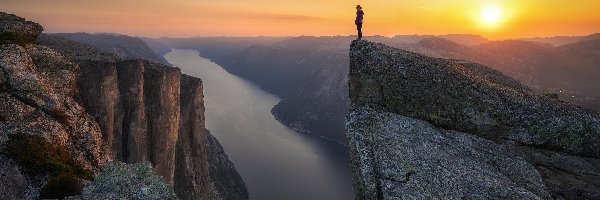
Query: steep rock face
[[161, 92], [99, 92], [134, 135], [422, 127], [227, 181], [191, 157], [137, 102]]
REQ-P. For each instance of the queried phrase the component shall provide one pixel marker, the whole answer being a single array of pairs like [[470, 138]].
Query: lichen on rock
[[127, 181]]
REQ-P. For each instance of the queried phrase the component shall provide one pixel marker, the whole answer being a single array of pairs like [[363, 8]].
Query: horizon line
[[290, 36]]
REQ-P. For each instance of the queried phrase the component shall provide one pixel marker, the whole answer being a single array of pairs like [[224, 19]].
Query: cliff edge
[[429, 128]]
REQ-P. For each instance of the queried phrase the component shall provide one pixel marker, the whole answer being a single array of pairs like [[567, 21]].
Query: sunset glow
[[491, 15], [496, 19]]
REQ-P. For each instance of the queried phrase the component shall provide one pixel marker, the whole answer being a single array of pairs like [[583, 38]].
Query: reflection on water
[[274, 161]]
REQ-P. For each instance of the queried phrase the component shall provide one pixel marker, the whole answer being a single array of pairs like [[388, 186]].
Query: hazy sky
[[496, 19]]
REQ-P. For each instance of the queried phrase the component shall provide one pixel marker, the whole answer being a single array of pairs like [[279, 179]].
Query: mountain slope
[[308, 74], [421, 127], [126, 47]]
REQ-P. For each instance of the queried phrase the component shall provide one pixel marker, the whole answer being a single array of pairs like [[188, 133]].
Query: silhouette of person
[[359, 20]]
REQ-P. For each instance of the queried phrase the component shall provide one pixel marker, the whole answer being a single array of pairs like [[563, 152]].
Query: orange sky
[[184, 18]]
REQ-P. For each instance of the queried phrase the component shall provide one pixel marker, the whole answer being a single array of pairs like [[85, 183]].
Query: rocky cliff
[[125, 116], [430, 128], [101, 106]]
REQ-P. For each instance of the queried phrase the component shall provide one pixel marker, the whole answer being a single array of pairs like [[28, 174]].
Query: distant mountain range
[[570, 71], [308, 73]]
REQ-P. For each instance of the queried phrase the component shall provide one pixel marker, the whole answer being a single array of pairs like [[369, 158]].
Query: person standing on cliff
[[359, 20]]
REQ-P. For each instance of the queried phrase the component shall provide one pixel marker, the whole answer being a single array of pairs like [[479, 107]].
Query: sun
[[491, 15]]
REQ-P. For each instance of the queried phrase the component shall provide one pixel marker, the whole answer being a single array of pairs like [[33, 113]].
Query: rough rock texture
[[431, 128], [35, 102], [127, 181], [16, 30], [402, 157], [37, 97], [228, 183], [12, 182]]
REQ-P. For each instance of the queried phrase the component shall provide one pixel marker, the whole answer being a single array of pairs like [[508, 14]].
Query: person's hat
[[358, 6]]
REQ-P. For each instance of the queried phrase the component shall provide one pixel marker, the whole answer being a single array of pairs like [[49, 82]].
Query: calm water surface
[[274, 161]]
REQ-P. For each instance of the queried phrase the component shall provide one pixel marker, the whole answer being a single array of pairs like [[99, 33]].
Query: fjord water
[[274, 161]]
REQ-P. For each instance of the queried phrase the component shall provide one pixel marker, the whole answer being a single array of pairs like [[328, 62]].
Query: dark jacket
[[359, 17]]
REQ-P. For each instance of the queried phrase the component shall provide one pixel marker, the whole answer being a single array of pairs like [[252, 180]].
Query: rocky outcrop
[[427, 128], [135, 181], [227, 181], [16, 30], [59, 118], [37, 97]]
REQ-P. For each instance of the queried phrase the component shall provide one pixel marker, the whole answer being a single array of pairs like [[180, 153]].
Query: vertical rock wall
[[191, 164]]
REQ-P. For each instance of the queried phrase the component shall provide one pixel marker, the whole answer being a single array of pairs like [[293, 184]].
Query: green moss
[[38, 157]]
